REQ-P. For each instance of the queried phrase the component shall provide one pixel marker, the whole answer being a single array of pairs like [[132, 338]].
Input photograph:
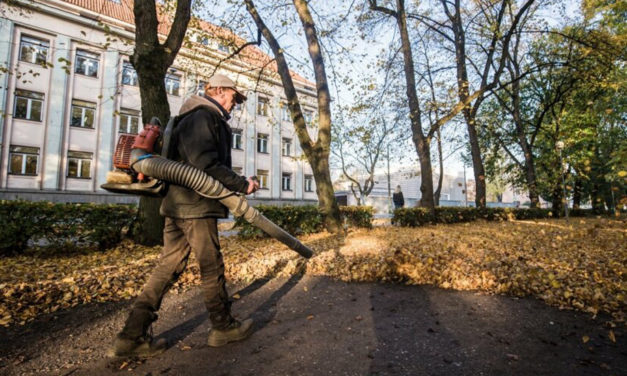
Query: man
[[397, 198], [201, 139]]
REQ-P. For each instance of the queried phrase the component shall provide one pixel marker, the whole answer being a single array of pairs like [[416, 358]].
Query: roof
[[122, 10]]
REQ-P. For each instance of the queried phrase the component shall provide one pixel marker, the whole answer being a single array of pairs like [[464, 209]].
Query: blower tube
[[205, 185]]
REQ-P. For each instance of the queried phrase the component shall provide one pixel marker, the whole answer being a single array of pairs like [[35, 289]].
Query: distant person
[[397, 198]]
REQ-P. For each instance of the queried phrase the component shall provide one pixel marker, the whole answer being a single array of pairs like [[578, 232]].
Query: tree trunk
[[557, 198], [317, 153], [577, 193], [151, 59], [477, 164], [420, 141]]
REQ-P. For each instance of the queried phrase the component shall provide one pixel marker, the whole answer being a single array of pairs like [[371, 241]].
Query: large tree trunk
[[477, 163], [317, 153], [151, 59], [557, 198], [420, 141]]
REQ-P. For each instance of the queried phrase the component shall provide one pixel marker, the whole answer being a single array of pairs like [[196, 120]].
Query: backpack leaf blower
[[139, 171]]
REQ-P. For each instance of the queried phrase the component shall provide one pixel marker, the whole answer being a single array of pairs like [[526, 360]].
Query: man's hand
[[253, 185]]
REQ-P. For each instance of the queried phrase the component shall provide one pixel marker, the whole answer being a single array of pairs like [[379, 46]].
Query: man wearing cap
[[202, 138]]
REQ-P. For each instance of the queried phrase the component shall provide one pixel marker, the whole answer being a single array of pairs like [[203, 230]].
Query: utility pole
[[465, 188], [389, 183]]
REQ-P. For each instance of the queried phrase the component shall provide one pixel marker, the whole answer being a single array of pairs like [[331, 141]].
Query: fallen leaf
[[585, 339]]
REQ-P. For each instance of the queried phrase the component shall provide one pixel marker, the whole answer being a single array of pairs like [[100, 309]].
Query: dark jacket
[[202, 139], [398, 199]]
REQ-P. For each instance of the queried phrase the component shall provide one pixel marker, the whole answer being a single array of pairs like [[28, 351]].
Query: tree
[[151, 59], [360, 141], [317, 152]]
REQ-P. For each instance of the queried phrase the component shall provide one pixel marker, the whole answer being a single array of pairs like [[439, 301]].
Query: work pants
[[180, 237]]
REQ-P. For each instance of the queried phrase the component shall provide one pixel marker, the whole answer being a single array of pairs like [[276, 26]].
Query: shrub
[[305, 219], [357, 216], [61, 224], [413, 217]]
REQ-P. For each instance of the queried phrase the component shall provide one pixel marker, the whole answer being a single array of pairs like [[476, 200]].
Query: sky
[[294, 44]]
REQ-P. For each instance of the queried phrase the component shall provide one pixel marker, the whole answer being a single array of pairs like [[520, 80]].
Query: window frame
[[286, 181], [263, 106], [174, 78], [24, 154], [29, 96], [84, 106], [130, 114], [262, 140], [80, 157], [43, 43], [237, 136], [262, 177], [87, 56], [308, 184], [128, 67], [286, 143], [308, 116]]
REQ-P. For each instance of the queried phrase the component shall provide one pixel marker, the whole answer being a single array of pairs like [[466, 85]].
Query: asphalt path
[[317, 326]]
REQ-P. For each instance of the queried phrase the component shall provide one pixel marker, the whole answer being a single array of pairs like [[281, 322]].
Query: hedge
[[306, 219], [62, 225], [413, 217]]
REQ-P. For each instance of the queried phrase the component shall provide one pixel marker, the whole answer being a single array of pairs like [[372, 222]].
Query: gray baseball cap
[[220, 80]]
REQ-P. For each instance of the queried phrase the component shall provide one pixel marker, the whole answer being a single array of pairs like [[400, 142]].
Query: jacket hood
[[196, 101]]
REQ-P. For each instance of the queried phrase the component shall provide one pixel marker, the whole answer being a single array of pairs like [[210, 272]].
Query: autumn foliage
[[576, 264]]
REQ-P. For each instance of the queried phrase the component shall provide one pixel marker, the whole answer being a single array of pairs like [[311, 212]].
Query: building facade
[[68, 91]]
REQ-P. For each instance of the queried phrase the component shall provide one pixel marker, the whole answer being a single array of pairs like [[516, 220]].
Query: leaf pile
[[573, 265]]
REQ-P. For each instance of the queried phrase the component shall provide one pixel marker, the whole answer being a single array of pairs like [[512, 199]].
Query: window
[[224, 48], [308, 115], [33, 50], [28, 105], [262, 143], [79, 164], [286, 182], [172, 84], [24, 160], [286, 115], [262, 106], [286, 150], [129, 121], [308, 183], [86, 63], [83, 114], [238, 170], [237, 139], [129, 75], [200, 88], [237, 107], [204, 41], [262, 175]]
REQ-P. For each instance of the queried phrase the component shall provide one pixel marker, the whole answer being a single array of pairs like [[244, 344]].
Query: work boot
[[234, 331], [143, 347]]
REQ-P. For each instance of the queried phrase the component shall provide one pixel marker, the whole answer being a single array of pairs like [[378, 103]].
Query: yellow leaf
[[236, 296], [310, 317], [585, 339], [611, 336]]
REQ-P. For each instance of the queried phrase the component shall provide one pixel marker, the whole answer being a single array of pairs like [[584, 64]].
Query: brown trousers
[[180, 237]]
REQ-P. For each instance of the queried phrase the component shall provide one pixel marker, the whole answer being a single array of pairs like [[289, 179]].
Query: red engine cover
[[122, 154]]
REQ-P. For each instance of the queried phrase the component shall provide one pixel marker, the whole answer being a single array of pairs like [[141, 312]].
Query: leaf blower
[[139, 171]]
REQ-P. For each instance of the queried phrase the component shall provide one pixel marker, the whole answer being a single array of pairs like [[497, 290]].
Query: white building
[[454, 191], [68, 91]]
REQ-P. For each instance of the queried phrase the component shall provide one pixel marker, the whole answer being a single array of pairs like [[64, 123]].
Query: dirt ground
[[316, 326]]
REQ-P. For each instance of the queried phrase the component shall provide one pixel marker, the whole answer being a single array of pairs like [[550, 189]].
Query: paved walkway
[[317, 326]]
